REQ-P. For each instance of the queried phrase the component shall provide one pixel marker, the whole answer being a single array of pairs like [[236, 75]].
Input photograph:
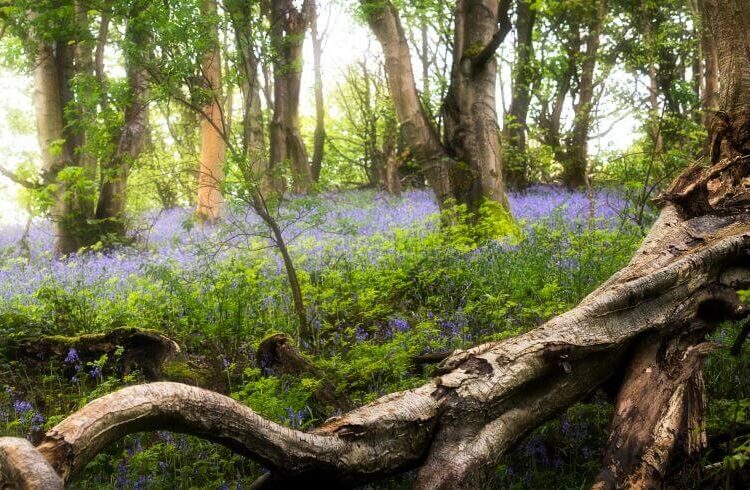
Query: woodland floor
[[382, 284]]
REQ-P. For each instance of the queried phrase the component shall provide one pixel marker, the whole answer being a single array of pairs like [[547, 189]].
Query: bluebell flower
[[21, 406], [122, 475], [399, 324], [72, 356]]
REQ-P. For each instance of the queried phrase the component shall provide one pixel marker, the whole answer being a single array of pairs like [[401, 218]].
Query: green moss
[[181, 371], [474, 49]]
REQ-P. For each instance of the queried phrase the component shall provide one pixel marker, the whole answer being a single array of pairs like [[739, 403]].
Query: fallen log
[[457, 426], [277, 355], [143, 350]]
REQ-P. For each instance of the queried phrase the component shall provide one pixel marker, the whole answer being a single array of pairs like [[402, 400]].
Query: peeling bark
[[22, 467], [658, 413]]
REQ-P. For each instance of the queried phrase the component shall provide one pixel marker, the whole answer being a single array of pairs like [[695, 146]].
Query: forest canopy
[[374, 243]]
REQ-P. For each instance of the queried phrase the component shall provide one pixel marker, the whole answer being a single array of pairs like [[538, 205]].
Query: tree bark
[[319, 138], [110, 210], [288, 25], [729, 22], [575, 164], [515, 160], [71, 208], [658, 413], [467, 168], [23, 467], [471, 129], [213, 144]]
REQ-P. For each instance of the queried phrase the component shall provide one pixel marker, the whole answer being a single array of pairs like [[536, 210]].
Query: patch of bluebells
[[352, 220], [399, 324], [32, 420]]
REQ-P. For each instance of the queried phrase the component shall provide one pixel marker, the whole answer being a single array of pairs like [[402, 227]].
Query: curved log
[[335, 452], [22, 467]]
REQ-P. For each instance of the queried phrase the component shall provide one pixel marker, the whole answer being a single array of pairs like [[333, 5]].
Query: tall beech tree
[[213, 145], [288, 25], [466, 165]]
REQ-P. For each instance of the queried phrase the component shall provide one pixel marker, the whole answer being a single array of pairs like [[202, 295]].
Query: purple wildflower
[[72, 356], [21, 406], [399, 324]]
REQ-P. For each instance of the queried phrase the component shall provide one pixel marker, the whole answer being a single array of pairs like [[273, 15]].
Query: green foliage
[[466, 230]]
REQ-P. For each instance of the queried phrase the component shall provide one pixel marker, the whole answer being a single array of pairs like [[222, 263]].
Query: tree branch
[[504, 26], [19, 180]]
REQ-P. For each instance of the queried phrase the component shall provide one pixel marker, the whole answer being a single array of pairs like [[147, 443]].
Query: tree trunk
[[213, 144], [319, 139], [110, 210], [471, 129], [468, 168], [515, 159], [253, 135], [71, 208], [288, 25], [575, 163], [729, 22], [416, 128], [391, 157]]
